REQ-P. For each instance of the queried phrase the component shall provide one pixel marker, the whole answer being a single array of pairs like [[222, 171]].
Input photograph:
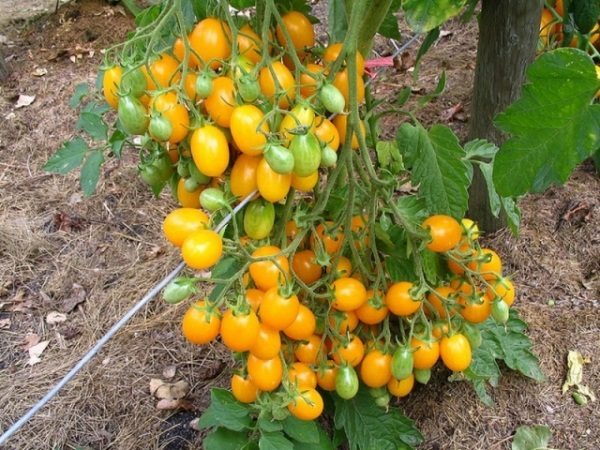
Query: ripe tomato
[[254, 297], [110, 85], [239, 332], [189, 86], [175, 112], [300, 31], [333, 51], [462, 253], [200, 324], [369, 313], [455, 351], [277, 80], [179, 53], [210, 39], [327, 133], [437, 299], [330, 239], [182, 222], [221, 101], [502, 288], [202, 249], [267, 344], [349, 294], [305, 184], [326, 376], [439, 329], [303, 325], [308, 351], [352, 352], [376, 369], [165, 70], [305, 266], [272, 186], [342, 82], [302, 376], [210, 150], [309, 83], [265, 374], [243, 175], [301, 116], [249, 43], [445, 233], [343, 267], [277, 311], [266, 274], [343, 321], [291, 230], [475, 310], [243, 389], [489, 264], [249, 129], [401, 388], [426, 353], [186, 198], [341, 123], [399, 301], [308, 405]]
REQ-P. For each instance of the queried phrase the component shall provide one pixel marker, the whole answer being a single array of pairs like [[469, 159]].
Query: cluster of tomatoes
[[551, 27]]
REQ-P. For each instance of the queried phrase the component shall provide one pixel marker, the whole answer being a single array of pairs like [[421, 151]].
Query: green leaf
[[93, 125], [513, 214], [149, 15], [553, 125], [242, 4], [323, 442], [389, 157], [81, 90], [532, 438], [274, 441], [116, 142], [269, 425], [585, 14], [432, 266], [90, 172], [429, 40], [495, 202], [424, 15], [403, 96], [370, 427], [480, 149], [225, 411], [226, 268], [437, 91], [301, 430], [337, 20], [223, 439], [68, 157], [389, 27], [438, 167]]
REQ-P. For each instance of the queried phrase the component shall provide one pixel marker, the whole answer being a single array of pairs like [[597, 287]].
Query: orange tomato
[[211, 39], [300, 31], [186, 198], [399, 301], [309, 83], [266, 274], [303, 325], [249, 43], [177, 114], [243, 389], [305, 266], [242, 179], [221, 101], [164, 69], [330, 239], [425, 354], [277, 84]]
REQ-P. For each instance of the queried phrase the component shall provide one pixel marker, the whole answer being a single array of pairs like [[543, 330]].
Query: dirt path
[[110, 245]]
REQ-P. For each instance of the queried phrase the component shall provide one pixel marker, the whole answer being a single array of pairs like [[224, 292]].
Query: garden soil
[[91, 259]]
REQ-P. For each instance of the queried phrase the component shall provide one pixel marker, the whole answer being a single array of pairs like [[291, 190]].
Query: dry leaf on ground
[[55, 317], [36, 351], [77, 296]]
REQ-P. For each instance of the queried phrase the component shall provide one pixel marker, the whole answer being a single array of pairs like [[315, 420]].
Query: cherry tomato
[[276, 79], [164, 69], [211, 39], [500, 312], [159, 128], [243, 175], [342, 82], [254, 298], [301, 375], [439, 329], [401, 388], [445, 233], [279, 312], [249, 43], [437, 299], [341, 123], [189, 86], [259, 217], [346, 382], [221, 101], [266, 274], [303, 325], [455, 351], [267, 344], [175, 113], [402, 363], [186, 198], [376, 369], [399, 301], [200, 324], [308, 405], [305, 184], [426, 353], [307, 154], [308, 83], [462, 252], [265, 374], [327, 133], [352, 352], [210, 150], [489, 264], [239, 332], [300, 31], [272, 186], [182, 222], [305, 266], [369, 312], [132, 115], [308, 351], [326, 376], [249, 129], [475, 310], [330, 239], [110, 85], [349, 294], [291, 230], [332, 52], [343, 267], [501, 288], [179, 52], [279, 158], [202, 249], [301, 117], [243, 389], [343, 321]]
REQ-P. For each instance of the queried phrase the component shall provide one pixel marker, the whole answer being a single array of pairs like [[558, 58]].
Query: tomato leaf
[[68, 157], [429, 40], [513, 214], [531, 438], [149, 15], [301, 430], [424, 15], [116, 142], [274, 441], [81, 90], [432, 266], [438, 167], [389, 27], [553, 126], [323, 442], [93, 125], [95, 108], [268, 425], [337, 21], [389, 157], [225, 411], [480, 149], [90, 172], [224, 439], [368, 426]]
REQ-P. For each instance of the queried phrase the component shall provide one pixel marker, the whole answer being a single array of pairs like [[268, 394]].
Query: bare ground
[[110, 245]]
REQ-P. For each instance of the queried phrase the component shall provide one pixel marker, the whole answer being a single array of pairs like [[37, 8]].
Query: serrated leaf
[[269, 425], [389, 27], [81, 90], [274, 441], [68, 157], [226, 268], [95, 108], [116, 142], [323, 442], [90, 172], [480, 149], [301, 430], [438, 168], [495, 202], [225, 411], [149, 15], [513, 214], [531, 438], [432, 266], [223, 439], [93, 125], [368, 426], [337, 21], [553, 125], [424, 15]]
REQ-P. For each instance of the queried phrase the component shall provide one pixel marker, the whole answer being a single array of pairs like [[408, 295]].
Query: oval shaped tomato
[[277, 311], [399, 301], [254, 297], [164, 70], [488, 264], [179, 52], [182, 222], [305, 184], [200, 324], [309, 80], [282, 91], [308, 351], [332, 98], [176, 114], [307, 154], [211, 41], [326, 376], [331, 239], [342, 82], [445, 233], [425, 353], [351, 352], [279, 158], [402, 363], [239, 332], [341, 124], [266, 274], [242, 179], [272, 186], [305, 267], [349, 294], [187, 198], [249, 129], [248, 88], [210, 150], [133, 82], [440, 300], [376, 369], [159, 128], [221, 101], [503, 289], [132, 115], [303, 325], [110, 85], [243, 389], [455, 352], [422, 375], [500, 312], [302, 376], [346, 382], [401, 388], [249, 43], [372, 311], [327, 133], [475, 309], [202, 249], [204, 85], [332, 51], [300, 119], [343, 268], [259, 218], [308, 405], [265, 374], [267, 344]]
